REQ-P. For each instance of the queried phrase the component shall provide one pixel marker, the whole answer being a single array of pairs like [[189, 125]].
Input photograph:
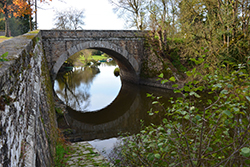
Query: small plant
[[62, 152], [3, 57], [59, 111]]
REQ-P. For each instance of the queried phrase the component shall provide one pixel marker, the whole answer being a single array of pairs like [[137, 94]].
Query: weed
[[3, 57], [62, 152]]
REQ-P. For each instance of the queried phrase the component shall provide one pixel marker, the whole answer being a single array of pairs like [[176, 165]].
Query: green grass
[[62, 152], [98, 57], [95, 57]]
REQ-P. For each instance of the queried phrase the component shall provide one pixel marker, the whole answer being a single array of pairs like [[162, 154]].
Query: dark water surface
[[100, 107]]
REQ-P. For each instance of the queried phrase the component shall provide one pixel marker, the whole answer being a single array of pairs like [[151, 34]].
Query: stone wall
[[27, 116]]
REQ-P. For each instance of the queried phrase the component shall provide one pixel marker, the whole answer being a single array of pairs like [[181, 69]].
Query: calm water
[[88, 89], [100, 107]]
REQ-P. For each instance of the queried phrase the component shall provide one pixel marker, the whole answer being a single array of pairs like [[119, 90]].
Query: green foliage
[[96, 52], [197, 131], [59, 111], [18, 25], [245, 152], [2, 23], [175, 59], [117, 71], [93, 57], [3, 57], [63, 151]]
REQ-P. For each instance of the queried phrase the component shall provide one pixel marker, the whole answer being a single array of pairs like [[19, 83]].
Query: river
[[100, 107]]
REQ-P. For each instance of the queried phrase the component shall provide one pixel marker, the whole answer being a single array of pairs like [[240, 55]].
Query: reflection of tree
[[74, 87]]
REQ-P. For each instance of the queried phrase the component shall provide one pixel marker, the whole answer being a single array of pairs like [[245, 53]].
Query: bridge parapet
[[27, 115], [105, 34]]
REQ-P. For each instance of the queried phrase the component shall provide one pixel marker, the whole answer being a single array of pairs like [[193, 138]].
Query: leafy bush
[[117, 71], [196, 131]]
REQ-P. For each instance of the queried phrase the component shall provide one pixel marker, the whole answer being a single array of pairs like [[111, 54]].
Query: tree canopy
[[211, 38], [217, 30], [17, 8]]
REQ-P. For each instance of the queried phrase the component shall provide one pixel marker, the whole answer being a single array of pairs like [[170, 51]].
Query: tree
[[33, 5], [14, 8], [133, 11], [216, 30], [160, 17], [18, 8], [96, 52], [215, 27], [18, 25], [71, 19], [196, 131]]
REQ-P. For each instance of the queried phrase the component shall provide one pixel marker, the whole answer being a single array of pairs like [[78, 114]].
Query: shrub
[[195, 131], [117, 71]]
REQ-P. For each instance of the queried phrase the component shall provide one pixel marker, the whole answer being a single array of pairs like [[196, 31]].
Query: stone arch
[[129, 67]]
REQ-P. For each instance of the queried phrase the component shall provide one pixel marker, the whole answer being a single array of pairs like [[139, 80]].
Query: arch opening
[[85, 86], [129, 67]]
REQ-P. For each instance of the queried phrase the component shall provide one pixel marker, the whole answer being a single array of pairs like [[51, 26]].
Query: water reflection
[[115, 108], [85, 90], [122, 116]]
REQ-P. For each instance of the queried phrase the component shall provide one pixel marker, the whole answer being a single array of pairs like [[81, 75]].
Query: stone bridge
[[28, 63], [126, 47], [28, 127]]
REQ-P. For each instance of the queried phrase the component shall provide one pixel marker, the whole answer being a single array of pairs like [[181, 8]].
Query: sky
[[98, 14]]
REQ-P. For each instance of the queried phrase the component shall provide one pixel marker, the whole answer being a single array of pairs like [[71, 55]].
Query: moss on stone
[[34, 32], [5, 100], [148, 70], [46, 82], [29, 36]]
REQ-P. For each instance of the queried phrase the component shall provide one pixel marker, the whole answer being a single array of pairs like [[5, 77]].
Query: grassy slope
[[95, 57]]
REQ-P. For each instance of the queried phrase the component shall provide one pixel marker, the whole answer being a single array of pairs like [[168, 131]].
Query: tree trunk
[[30, 18], [30, 21], [36, 14], [7, 30]]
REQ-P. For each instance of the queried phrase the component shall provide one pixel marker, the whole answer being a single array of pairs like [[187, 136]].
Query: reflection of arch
[[123, 115], [128, 65], [127, 97], [110, 120]]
